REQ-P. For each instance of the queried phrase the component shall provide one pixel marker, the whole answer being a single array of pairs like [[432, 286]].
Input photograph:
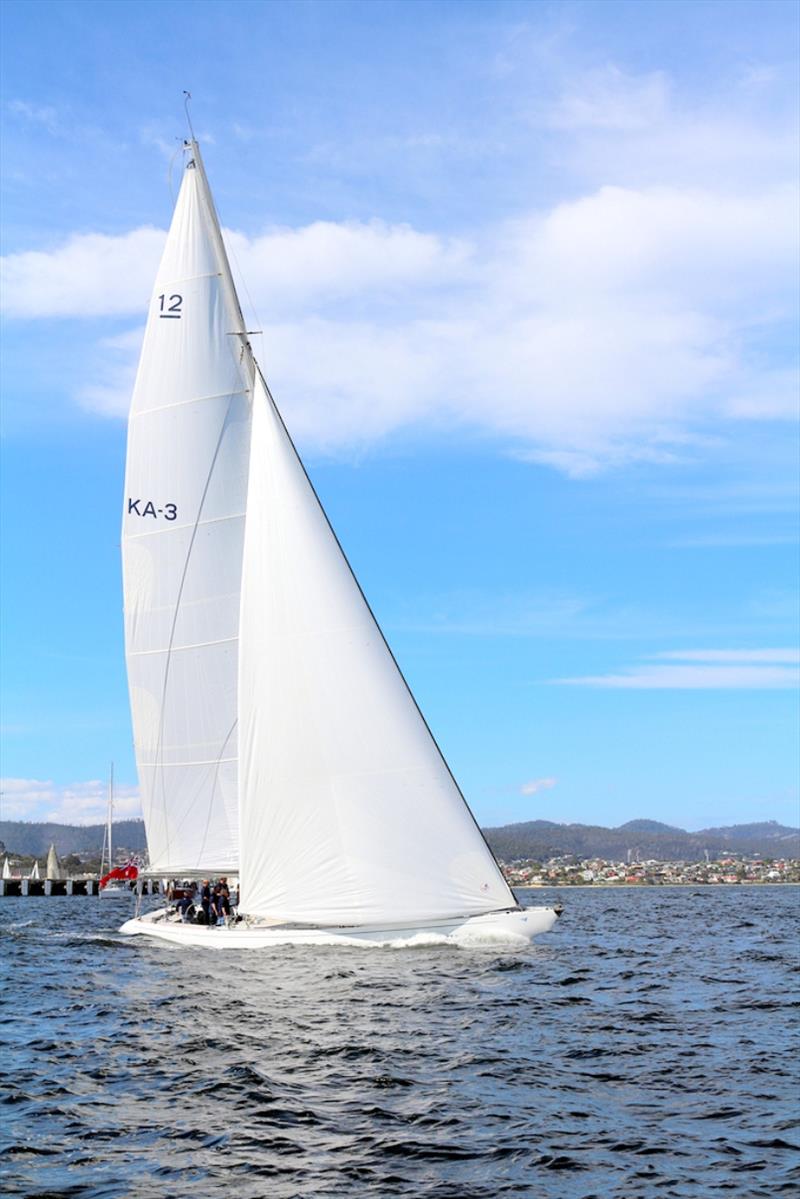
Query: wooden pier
[[45, 887]]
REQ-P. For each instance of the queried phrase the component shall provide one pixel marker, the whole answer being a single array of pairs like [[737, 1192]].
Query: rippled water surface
[[642, 1049]]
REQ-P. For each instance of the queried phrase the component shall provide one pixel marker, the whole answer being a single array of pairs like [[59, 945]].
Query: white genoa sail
[[275, 735], [349, 814]]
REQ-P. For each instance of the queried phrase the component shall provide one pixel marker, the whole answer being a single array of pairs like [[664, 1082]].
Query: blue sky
[[527, 276]]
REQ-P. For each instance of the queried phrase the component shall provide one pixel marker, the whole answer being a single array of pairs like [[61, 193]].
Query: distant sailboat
[[114, 887], [53, 868], [276, 738]]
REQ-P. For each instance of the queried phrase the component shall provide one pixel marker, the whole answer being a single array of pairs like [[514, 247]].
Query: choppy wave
[[641, 1050]]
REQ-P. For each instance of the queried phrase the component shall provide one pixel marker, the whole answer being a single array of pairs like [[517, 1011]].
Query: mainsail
[[274, 731], [183, 527]]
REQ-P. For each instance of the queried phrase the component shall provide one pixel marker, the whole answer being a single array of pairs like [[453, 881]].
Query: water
[[641, 1050]]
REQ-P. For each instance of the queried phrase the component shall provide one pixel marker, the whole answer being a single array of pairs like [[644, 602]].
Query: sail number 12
[[170, 307]]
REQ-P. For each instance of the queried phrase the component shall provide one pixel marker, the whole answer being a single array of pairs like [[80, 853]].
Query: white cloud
[[37, 114], [537, 785], [773, 656], [739, 129], [551, 613], [591, 335], [608, 98], [92, 274], [769, 394], [243, 132], [705, 669], [307, 269], [109, 393], [72, 803], [476, 613], [153, 135]]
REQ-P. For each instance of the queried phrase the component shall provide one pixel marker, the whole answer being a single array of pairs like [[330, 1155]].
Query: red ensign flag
[[128, 873]]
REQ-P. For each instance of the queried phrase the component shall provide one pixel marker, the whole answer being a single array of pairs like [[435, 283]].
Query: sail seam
[[175, 649], [186, 279], [201, 762], [179, 597], [218, 763], [219, 395], [212, 520], [229, 595]]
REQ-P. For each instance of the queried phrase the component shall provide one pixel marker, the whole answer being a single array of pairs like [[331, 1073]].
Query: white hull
[[515, 927]]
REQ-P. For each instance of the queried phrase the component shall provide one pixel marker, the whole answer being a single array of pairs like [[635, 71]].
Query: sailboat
[[114, 887], [276, 738]]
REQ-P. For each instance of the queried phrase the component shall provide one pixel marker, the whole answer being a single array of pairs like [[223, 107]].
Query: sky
[[527, 280]]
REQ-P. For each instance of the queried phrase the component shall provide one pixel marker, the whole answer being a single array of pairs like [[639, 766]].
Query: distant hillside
[[540, 839], [768, 829], [34, 840], [536, 839]]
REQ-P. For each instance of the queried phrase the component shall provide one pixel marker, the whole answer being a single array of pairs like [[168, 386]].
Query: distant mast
[[110, 815], [106, 853]]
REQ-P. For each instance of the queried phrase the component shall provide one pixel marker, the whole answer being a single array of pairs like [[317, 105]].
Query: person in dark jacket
[[186, 901], [224, 900], [206, 900], [217, 916]]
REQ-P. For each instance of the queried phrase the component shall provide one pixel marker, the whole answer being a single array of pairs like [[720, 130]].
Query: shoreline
[[638, 886]]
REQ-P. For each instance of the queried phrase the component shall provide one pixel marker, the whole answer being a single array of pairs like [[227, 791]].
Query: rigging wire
[[258, 332], [183, 146], [180, 148], [186, 98]]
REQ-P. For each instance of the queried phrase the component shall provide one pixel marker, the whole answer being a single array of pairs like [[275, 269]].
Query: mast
[[110, 815], [196, 162]]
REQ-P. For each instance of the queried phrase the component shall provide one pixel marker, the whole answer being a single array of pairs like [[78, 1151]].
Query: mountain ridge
[[538, 839], [34, 838], [534, 839]]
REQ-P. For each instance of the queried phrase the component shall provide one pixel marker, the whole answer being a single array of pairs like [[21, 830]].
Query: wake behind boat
[[276, 738]]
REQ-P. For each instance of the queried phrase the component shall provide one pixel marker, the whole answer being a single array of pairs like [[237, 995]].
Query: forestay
[[349, 814], [183, 526]]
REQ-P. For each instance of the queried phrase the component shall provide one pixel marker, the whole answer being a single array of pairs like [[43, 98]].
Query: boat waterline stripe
[[173, 528], [175, 649], [220, 395]]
